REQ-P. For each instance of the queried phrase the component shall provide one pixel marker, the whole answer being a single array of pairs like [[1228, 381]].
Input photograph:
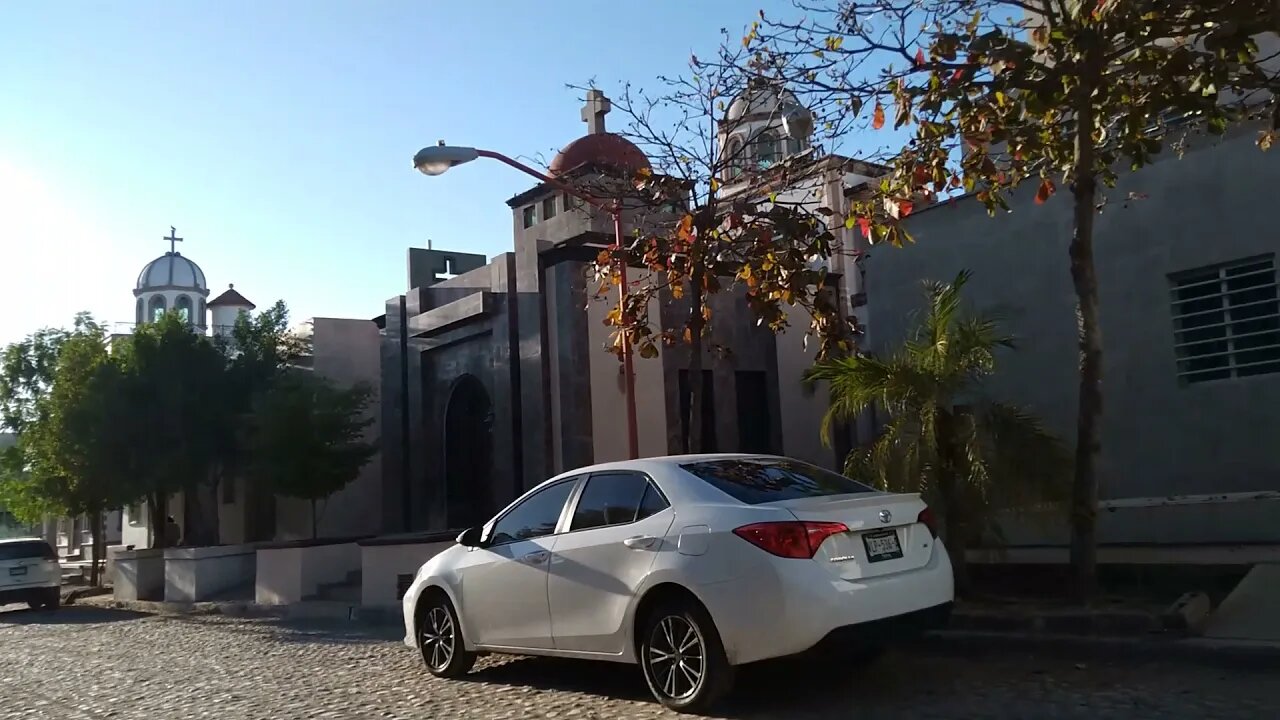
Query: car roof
[[6, 541], [661, 461]]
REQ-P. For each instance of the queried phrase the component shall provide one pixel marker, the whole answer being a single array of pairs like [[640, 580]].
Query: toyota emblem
[[885, 516]]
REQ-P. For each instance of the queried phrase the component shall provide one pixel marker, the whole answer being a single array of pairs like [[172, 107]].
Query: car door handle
[[534, 558], [640, 542]]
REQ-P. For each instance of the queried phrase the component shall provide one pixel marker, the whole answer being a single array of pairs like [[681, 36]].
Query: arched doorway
[[468, 454]]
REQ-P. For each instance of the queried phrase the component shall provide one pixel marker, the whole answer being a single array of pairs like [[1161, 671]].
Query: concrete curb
[[319, 610], [1228, 653], [1058, 621]]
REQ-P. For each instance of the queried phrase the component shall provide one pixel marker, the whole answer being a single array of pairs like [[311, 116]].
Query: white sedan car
[[687, 566], [30, 573]]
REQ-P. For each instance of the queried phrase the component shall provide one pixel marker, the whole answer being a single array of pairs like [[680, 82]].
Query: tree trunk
[[953, 529], [157, 517], [1084, 486], [98, 545], [696, 321], [314, 531]]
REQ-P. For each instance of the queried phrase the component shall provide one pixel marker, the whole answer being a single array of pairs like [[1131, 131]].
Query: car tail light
[[790, 539], [928, 520]]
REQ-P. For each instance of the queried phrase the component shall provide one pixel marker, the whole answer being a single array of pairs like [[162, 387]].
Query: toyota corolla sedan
[[30, 573], [687, 566]]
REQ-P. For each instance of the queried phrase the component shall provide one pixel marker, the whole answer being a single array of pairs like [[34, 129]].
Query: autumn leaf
[[904, 208], [685, 226], [850, 221], [865, 225], [920, 57], [877, 116], [1266, 140], [1046, 190]]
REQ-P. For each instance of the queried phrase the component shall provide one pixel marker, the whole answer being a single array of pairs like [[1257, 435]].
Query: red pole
[[628, 370]]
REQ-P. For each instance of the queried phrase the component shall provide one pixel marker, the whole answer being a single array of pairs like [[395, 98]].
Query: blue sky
[[277, 136]]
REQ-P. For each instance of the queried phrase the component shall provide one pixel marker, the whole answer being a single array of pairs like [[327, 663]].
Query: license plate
[[882, 545], [17, 571]]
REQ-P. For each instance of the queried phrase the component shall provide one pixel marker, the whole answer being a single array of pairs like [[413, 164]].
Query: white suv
[[30, 573]]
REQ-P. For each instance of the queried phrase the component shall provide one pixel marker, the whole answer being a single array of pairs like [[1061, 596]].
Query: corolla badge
[[885, 516]]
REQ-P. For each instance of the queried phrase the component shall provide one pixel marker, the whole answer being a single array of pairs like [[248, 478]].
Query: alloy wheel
[[438, 638], [676, 657]]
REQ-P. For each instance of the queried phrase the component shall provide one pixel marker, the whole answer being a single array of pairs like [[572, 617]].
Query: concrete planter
[[138, 575], [197, 574], [290, 572], [388, 561]]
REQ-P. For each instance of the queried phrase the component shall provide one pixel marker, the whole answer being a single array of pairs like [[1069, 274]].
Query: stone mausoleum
[[495, 374]]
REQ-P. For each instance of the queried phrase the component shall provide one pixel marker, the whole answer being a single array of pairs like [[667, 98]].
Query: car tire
[[440, 640], [49, 600], [683, 658]]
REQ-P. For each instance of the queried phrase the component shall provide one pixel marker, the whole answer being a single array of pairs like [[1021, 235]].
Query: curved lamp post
[[437, 159]]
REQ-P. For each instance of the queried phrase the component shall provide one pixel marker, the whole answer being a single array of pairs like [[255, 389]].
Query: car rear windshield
[[25, 550], [762, 480]]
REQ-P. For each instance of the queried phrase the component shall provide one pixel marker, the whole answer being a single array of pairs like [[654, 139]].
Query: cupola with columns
[[763, 126], [171, 282]]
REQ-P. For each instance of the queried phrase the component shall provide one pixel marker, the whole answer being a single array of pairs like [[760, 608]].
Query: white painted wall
[[198, 574], [801, 412], [381, 564], [608, 391], [289, 574]]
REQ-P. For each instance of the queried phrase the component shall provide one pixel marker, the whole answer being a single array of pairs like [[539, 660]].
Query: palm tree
[[968, 456]]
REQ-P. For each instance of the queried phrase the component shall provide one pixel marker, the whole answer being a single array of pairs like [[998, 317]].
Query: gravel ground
[[86, 662]]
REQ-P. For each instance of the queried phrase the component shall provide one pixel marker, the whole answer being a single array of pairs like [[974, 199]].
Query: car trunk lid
[[23, 563], [884, 537]]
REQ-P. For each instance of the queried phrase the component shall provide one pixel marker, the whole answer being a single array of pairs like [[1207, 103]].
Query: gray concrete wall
[[1159, 437]]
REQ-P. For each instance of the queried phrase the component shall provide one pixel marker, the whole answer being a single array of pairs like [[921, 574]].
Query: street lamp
[[437, 159]]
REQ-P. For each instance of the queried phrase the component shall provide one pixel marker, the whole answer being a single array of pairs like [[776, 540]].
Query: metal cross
[[594, 111], [173, 238]]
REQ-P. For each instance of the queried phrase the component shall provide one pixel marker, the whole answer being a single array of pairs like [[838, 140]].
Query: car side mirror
[[471, 537]]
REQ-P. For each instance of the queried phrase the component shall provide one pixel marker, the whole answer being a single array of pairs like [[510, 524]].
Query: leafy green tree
[[968, 456], [994, 94], [259, 349], [307, 438], [79, 461], [27, 370], [174, 381]]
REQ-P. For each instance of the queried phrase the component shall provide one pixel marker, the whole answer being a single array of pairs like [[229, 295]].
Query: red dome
[[599, 149]]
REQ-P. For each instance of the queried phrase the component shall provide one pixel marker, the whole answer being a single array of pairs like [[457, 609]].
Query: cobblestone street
[[91, 663]]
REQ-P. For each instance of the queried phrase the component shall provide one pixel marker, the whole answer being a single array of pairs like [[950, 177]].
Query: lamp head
[[435, 159]]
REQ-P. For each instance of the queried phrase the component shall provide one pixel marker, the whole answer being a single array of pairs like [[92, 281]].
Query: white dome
[[763, 98], [171, 270]]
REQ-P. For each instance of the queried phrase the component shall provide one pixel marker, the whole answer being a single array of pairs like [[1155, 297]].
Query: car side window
[[535, 517], [616, 499], [652, 503]]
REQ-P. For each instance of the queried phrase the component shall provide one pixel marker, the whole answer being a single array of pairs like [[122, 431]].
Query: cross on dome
[[594, 111], [173, 239]]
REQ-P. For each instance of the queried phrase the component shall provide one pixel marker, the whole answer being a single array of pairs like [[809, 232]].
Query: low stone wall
[[1246, 518], [386, 562], [197, 574], [288, 573], [138, 575]]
